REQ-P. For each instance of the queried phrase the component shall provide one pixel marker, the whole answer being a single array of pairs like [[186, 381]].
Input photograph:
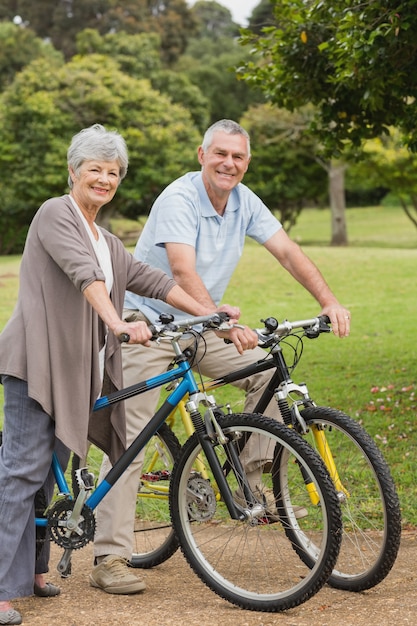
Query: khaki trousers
[[116, 514]]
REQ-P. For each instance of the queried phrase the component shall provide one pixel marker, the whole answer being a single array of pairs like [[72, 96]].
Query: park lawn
[[362, 375]]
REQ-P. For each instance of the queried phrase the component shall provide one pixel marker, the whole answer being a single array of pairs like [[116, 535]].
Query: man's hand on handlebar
[[232, 311], [339, 319], [243, 337]]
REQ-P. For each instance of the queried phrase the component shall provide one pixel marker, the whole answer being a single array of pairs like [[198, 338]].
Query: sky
[[241, 10]]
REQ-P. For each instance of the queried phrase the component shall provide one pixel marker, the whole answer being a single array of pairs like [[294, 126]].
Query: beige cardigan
[[54, 336]]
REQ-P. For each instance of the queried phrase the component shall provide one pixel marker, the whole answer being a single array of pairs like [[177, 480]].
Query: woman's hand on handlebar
[[134, 332]]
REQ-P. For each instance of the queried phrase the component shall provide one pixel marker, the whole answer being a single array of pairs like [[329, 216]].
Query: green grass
[[375, 227], [372, 374]]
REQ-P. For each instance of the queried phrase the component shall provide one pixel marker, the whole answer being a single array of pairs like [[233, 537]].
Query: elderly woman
[[60, 343]]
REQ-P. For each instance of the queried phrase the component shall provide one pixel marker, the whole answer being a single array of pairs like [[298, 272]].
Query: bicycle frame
[[281, 386], [185, 386]]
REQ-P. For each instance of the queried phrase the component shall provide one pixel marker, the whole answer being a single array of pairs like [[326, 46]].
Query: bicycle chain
[[58, 515]]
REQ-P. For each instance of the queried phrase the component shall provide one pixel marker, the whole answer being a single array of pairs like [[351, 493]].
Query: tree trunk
[[338, 203]]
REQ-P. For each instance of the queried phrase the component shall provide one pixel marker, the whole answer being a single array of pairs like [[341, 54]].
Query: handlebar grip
[[154, 332], [124, 338]]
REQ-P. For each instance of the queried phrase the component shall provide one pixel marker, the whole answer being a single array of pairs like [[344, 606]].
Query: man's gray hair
[[225, 126], [97, 144]]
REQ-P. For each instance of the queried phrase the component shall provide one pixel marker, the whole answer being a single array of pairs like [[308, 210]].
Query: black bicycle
[[366, 490]]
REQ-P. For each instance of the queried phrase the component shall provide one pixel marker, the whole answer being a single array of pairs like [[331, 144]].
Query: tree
[[389, 165], [336, 173], [355, 63], [262, 16], [214, 21], [47, 104], [139, 56], [214, 73], [61, 20], [284, 171], [19, 46]]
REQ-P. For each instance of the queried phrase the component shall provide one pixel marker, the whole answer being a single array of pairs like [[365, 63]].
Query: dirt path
[[175, 596]]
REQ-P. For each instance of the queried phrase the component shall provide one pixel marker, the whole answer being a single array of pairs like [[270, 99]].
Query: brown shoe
[[113, 575]]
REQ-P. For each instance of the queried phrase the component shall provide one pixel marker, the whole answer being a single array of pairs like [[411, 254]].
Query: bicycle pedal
[[154, 477]]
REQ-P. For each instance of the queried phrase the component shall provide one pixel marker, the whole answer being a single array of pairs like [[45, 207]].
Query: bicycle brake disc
[[58, 515], [201, 499]]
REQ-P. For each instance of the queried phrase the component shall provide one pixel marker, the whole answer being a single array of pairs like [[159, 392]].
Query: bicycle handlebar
[[273, 331], [166, 325]]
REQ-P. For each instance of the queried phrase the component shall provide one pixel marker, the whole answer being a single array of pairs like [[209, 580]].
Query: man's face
[[225, 162]]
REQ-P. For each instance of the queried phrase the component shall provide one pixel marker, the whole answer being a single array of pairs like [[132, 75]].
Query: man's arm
[[293, 259], [182, 260]]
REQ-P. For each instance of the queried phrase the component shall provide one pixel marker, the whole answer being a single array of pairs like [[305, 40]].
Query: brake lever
[[322, 327]]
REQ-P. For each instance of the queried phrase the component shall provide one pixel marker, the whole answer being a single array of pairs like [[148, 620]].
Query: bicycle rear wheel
[[154, 539], [251, 563], [370, 506]]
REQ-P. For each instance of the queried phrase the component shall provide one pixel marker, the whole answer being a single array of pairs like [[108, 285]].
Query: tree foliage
[[284, 171], [388, 165], [139, 56], [262, 16], [210, 66], [62, 20], [46, 105], [214, 21], [18, 47], [355, 62], [123, 67]]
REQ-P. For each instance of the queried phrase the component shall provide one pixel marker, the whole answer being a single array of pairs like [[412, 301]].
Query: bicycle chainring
[[58, 515], [201, 499]]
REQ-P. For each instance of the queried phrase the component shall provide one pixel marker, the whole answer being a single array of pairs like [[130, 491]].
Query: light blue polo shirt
[[183, 213]]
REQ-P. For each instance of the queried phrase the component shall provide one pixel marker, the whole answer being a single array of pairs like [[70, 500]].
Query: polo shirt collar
[[207, 209]]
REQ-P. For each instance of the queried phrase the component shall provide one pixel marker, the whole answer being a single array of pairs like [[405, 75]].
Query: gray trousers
[[25, 459], [116, 514]]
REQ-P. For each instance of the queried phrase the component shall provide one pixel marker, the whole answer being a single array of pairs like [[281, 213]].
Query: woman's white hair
[[97, 143]]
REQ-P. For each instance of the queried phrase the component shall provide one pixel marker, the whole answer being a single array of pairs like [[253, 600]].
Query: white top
[[104, 259]]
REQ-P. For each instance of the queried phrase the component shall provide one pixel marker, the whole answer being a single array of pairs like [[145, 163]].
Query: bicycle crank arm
[[64, 565]]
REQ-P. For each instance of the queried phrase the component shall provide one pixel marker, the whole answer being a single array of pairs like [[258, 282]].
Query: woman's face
[[96, 183]]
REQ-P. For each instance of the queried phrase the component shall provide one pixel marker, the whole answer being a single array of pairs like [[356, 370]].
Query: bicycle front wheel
[[251, 563], [370, 506]]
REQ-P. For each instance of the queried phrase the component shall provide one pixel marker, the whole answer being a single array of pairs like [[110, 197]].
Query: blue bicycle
[[233, 534]]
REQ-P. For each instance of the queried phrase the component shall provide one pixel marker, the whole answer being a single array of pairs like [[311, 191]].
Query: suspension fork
[[327, 456], [293, 416], [208, 445]]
